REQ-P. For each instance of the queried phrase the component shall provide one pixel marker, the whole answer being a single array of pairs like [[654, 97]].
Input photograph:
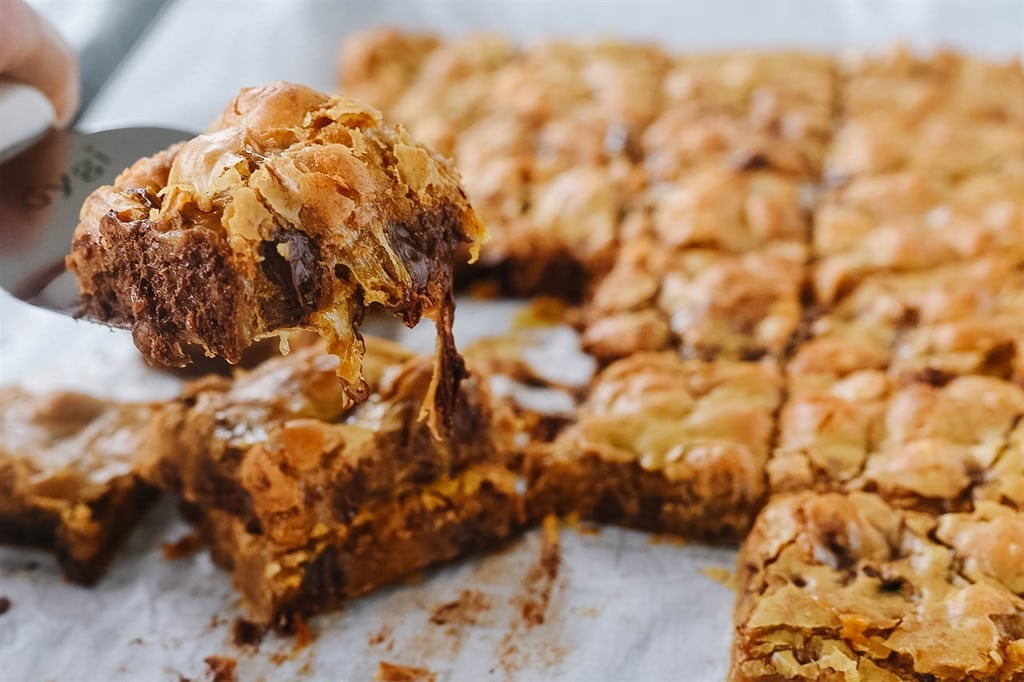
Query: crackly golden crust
[[706, 303], [387, 540], [947, 115], [933, 448], [845, 587], [664, 444], [66, 479], [900, 83], [745, 109], [914, 220], [282, 449], [561, 141], [296, 210], [959, 318]]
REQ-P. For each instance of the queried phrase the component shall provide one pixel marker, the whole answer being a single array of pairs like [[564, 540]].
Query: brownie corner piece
[[66, 477]]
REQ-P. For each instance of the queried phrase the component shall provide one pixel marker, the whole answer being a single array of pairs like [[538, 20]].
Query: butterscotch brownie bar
[[66, 479], [284, 451], [664, 444], [744, 110], [931, 447], [706, 303], [296, 210], [912, 220], [387, 539], [948, 115], [900, 83], [846, 587], [960, 318]]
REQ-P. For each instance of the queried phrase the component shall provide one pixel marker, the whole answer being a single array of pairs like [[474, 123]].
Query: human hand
[[32, 52]]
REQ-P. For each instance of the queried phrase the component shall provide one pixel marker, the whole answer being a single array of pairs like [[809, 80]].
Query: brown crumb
[[666, 539], [390, 672], [247, 633], [540, 580], [466, 610], [542, 311], [381, 636], [303, 635], [279, 657], [5, 605], [183, 547], [720, 574], [220, 668]]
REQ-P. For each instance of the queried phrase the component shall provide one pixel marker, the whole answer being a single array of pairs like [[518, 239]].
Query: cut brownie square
[[744, 110], [66, 479], [846, 587], [281, 449], [706, 303], [377, 66], [960, 318], [387, 539], [937, 448], [297, 210], [900, 83], [664, 444], [899, 222]]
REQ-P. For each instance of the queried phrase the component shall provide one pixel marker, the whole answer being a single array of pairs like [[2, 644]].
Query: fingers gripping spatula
[[45, 175]]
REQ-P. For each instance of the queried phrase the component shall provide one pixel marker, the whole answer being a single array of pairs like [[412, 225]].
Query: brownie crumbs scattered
[[220, 668], [526, 643], [381, 636], [666, 539], [389, 672], [720, 574], [303, 634], [183, 547], [540, 580], [245, 633], [466, 610], [5, 605]]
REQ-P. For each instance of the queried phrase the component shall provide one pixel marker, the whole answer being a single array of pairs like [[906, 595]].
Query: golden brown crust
[[959, 318], [664, 444], [66, 479], [296, 210], [837, 587], [706, 303], [560, 142], [935, 448]]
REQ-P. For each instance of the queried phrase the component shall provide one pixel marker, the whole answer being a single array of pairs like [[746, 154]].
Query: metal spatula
[[45, 175]]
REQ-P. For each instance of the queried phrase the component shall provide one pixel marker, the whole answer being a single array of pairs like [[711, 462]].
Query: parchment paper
[[624, 606]]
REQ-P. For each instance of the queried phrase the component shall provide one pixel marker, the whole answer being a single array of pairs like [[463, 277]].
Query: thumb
[[32, 52]]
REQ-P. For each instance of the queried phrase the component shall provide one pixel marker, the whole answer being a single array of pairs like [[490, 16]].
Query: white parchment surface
[[623, 606]]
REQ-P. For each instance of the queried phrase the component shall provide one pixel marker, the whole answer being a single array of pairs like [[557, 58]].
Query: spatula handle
[[24, 114]]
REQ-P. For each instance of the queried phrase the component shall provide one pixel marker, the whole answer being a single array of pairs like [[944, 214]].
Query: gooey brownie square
[[296, 210], [846, 587], [309, 498], [664, 444], [66, 479]]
